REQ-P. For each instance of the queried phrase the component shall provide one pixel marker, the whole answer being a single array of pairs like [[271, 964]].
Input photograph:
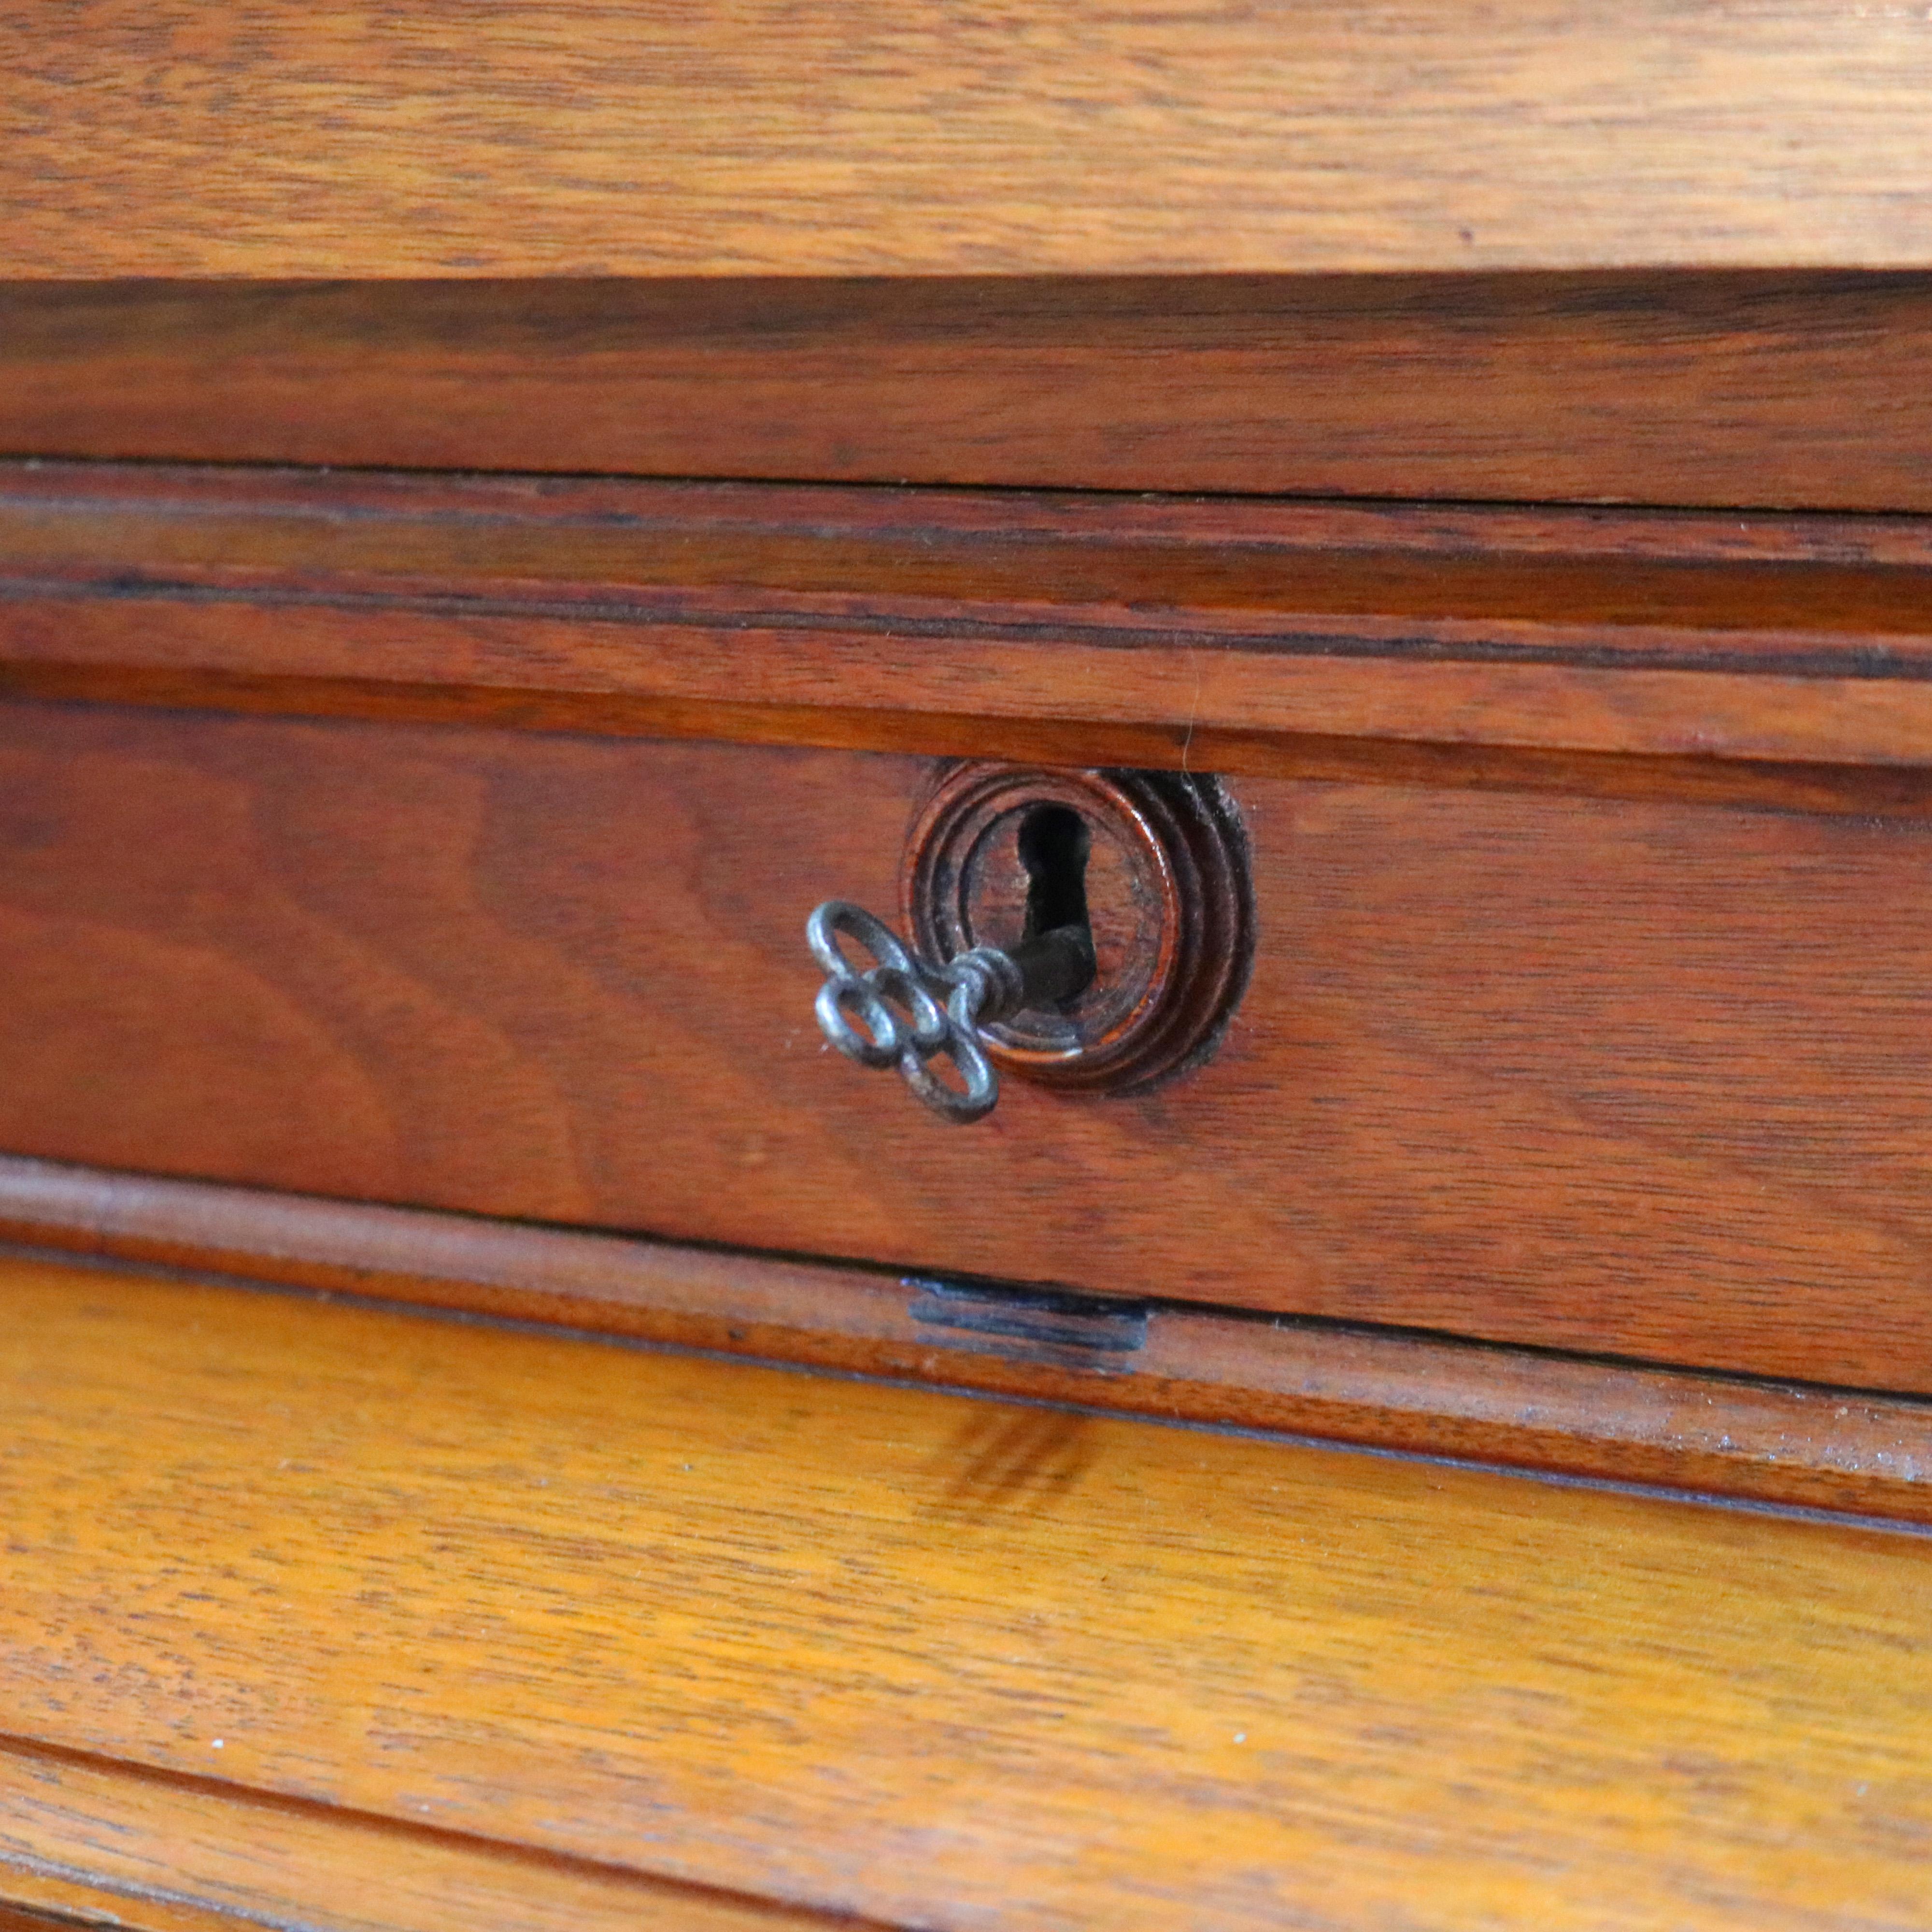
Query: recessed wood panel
[[1637, 1075], [895, 136], [1791, 389], [933, 1661]]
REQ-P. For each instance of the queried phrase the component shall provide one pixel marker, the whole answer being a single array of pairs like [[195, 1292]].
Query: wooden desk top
[[859, 1648]]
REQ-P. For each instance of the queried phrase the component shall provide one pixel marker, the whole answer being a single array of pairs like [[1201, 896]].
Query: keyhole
[[1054, 842]]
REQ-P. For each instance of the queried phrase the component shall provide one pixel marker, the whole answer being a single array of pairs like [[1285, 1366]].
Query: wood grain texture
[[1802, 391], [59, 1903], [939, 1661], [1199, 629], [109, 1845], [592, 137], [1821, 1448], [1635, 1077], [14, 1919]]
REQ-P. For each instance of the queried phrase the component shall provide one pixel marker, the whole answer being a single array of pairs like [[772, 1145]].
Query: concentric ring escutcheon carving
[[1167, 897]]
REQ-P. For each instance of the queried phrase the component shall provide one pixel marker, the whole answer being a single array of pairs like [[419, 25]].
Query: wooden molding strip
[[1202, 631], [886, 139], [1861, 1452], [111, 1844], [1797, 390]]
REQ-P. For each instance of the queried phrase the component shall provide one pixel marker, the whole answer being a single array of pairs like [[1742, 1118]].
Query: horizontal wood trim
[[934, 1660], [1791, 390], [59, 1904], [1863, 1452], [102, 1843], [1886, 791], [566, 137], [1187, 625], [68, 1905], [15, 1918]]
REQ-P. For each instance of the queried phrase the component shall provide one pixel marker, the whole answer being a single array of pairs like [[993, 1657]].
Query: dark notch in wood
[[1151, 632], [1855, 1451], [1794, 390]]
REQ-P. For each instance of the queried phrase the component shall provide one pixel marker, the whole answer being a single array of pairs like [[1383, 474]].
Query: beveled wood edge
[[60, 1905], [797, 614], [81, 1838], [1520, 386], [1852, 1451], [1890, 790]]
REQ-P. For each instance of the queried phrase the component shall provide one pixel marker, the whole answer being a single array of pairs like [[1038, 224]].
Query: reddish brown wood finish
[[1645, 1077], [1868, 1454], [1200, 633], [1796, 390], [882, 137], [1165, 901], [12, 1918]]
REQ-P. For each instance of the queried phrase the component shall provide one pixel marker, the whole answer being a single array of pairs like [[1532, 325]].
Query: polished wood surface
[[938, 1660], [1819, 1448], [1221, 634], [589, 137], [1643, 1077], [1726, 388], [115, 1844]]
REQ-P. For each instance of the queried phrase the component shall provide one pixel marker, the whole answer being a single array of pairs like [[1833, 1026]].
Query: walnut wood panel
[[1641, 1077], [1798, 390], [581, 136], [110, 1844], [1202, 631], [1819, 1448], [938, 1660]]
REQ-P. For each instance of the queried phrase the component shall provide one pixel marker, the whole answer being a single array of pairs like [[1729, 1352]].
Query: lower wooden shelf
[[326, 1611]]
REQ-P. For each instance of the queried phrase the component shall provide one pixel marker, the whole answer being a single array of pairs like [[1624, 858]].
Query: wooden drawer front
[[1649, 1076]]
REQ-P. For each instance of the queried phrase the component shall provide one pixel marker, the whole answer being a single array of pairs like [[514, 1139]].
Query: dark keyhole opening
[[1054, 843]]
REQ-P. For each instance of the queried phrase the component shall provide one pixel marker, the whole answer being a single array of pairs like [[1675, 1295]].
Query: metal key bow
[[906, 1011]]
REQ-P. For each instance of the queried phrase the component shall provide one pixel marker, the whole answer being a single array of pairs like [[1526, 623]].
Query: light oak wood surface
[[896, 136], [112, 1844], [941, 1661]]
